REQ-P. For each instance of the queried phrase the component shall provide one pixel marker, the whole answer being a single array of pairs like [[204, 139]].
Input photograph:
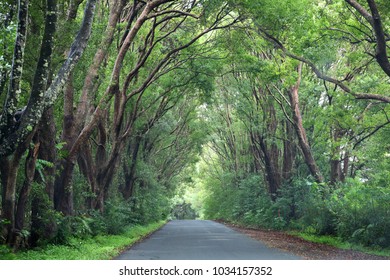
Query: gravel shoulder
[[306, 249]]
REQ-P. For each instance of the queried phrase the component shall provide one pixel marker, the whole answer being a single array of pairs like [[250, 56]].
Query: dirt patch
[[306, 249]]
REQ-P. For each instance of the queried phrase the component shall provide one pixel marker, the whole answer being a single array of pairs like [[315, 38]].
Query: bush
[[303, 205], [72, 226], [354, 211], [116, 216], [362, 213]]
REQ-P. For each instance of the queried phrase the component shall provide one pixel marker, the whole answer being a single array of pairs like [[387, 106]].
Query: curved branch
[[321, 75], [381, 47], [361, 10]]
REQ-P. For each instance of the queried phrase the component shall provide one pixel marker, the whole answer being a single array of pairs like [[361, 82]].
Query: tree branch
[[381, 47]]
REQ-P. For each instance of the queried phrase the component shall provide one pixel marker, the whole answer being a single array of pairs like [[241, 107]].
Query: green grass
[[338, 243], [101, 247]]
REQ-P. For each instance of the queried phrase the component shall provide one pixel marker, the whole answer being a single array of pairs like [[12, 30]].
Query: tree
[[17, 129]]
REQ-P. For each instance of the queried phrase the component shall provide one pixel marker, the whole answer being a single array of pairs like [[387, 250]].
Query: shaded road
[[201, 240]]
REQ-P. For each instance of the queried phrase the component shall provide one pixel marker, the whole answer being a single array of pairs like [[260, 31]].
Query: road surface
[[201, 240]]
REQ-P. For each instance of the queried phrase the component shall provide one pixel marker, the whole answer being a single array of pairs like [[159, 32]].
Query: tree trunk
[[43, 226], [301, 132], [39, 103], [18, 239], [10, 168], [271, 169], [288, 151], [63, 189], [9, 173], [63, 196], [73, 8], [129, 172]]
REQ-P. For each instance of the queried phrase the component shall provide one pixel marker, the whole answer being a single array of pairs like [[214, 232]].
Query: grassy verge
[[338, 243], [101, 247]]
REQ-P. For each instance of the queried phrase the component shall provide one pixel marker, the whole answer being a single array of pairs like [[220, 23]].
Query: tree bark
[[288, 151], [42, 201], [44, 100], [129, 172], [73, 8], [63, 191], [301, 132], [18, 239], [7, 120], [9, 174], [271, 168]]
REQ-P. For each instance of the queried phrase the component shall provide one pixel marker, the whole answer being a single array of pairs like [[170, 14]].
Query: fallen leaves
[[306, 249]]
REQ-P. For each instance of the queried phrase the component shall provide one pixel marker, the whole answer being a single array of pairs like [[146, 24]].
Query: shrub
[[362, 213], [303, 205]]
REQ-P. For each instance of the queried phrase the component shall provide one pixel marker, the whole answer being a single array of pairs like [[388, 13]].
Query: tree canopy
[[267, 113]]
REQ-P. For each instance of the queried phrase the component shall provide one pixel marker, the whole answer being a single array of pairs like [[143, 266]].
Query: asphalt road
[[201, 240]]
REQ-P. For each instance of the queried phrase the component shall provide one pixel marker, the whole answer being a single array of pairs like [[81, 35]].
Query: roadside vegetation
[[99, 247]]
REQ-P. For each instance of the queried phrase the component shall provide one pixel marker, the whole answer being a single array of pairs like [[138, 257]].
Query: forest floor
[[306, 249]]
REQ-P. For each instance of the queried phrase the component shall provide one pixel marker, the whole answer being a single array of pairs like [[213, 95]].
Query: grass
[[102, 247], [338, 243]]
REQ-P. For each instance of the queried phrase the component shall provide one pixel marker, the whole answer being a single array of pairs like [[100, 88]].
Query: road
[[201, 240]]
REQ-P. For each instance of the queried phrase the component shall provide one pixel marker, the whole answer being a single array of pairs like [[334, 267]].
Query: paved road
[[201, 240]]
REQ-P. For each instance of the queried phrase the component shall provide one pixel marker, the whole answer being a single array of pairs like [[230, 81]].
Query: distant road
[[201, 240]]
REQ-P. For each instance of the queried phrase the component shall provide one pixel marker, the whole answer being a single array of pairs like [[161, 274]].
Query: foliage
[[183, 211], [100, 247], [355, 212], [174, 125], [361, 212]]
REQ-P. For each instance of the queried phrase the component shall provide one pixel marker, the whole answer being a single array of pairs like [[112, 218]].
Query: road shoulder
[[306, 249]]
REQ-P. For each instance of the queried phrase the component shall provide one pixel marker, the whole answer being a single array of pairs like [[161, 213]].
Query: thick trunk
[[63, 189], [42, 200], [9, 177], [335, 171]]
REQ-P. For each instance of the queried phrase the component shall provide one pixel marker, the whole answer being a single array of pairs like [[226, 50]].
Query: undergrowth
[[100, 247]]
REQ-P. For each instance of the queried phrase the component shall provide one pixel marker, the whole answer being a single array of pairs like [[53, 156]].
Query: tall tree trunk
[[9, 171], [18, 239], [63, 192], [38, 103], [7, 120], [4, 25], [10, 168], [43, 226], [129, 172], [73, 124], [88, 169], [271, 168], [105, 174], [301, 132], [288, 151], [63, 189]]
